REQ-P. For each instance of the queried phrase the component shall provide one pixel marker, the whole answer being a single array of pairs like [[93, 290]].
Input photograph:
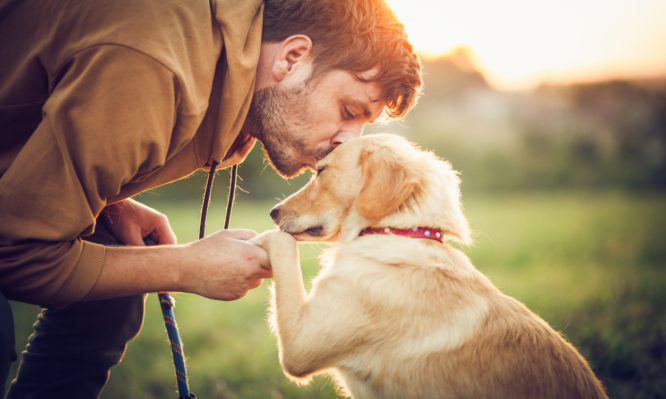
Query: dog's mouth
[[315, 231], [312, 233], [316, 227]]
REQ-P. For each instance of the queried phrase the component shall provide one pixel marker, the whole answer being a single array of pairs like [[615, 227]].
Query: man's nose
[[345, 136]]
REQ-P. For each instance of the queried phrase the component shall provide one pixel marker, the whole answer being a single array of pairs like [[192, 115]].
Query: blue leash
[[167, 302]]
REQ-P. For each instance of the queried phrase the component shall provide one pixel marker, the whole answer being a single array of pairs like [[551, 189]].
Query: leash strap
[[167, 303]]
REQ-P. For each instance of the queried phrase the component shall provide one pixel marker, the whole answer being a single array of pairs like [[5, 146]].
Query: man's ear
[[386, 185], [293, 50]]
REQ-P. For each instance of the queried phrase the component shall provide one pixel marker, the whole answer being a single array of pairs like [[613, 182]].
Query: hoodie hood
[[240, 23]]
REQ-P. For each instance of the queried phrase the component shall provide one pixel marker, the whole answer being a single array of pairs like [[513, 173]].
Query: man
[[102, 100]]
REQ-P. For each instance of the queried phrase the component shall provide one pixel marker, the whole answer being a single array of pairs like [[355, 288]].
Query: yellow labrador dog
[[396, 312]]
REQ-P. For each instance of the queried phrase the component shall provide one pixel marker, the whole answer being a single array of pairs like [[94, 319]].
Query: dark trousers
[[71, 350], [7, 352]]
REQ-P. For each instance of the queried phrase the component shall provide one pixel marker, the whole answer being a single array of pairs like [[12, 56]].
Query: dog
[[397, 312]]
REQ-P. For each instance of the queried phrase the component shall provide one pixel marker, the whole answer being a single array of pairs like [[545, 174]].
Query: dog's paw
[[263, 239], [274, 241]]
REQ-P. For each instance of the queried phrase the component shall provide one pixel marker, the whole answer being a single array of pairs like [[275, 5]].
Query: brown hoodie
[[100, 100]]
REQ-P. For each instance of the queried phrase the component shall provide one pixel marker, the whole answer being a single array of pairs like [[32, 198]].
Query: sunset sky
[[521, 43]]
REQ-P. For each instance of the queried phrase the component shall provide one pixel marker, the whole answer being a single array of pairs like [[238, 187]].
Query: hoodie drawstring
[[206, 198]]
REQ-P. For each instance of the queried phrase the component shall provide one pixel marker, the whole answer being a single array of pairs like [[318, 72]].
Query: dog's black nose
[[274, 213]]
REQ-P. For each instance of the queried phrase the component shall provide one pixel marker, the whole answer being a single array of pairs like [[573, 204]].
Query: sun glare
[[521, 43]]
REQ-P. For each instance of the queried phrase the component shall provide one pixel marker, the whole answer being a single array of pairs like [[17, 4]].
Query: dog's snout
[[275, 212]]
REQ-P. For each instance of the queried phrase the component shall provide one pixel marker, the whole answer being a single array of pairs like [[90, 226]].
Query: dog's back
[[442, 330], [515, 354]]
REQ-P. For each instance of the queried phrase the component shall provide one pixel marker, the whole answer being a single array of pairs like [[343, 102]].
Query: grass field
[[591, 264]]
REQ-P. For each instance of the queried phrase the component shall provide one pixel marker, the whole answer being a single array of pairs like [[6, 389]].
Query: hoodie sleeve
[[107, 122]]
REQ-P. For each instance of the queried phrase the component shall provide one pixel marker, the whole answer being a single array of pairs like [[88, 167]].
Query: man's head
[[328, 67]]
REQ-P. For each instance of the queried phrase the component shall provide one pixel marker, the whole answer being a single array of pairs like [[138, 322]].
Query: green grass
[[591, 264]]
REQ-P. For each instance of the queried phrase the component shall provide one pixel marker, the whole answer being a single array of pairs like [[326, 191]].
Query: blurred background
[[555, 115]]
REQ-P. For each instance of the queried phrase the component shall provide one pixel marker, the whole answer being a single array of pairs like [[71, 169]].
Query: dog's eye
[[321, 169]]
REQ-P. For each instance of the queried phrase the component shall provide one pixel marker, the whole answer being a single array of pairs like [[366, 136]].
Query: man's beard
[[282, 143]]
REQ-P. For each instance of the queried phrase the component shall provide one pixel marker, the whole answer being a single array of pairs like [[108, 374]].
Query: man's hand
[[131, 222], [223, 266], [227, 265]]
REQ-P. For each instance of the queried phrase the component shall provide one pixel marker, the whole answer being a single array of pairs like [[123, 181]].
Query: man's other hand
[[131, 221]]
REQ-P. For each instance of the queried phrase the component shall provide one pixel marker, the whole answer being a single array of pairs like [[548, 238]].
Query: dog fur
[[396, 317]]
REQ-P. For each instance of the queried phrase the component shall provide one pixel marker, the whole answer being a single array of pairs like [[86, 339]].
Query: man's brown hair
[[353, 35]]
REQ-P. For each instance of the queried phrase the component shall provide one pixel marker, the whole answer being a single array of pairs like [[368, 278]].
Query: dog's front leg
[[283, 252], [289, 299]]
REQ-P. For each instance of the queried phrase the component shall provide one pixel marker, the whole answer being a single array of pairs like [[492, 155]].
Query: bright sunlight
[[521, 43]]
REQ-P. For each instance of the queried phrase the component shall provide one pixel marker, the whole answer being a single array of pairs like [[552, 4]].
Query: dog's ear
[[386, 183]]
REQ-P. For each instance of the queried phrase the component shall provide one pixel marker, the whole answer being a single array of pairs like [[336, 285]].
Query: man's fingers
[[256, 283], [268, 274], [163, 235], [133, 237], [240, 234], [264, 261]]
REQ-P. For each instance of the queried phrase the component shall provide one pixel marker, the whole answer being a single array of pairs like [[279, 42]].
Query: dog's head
[[378, 180]]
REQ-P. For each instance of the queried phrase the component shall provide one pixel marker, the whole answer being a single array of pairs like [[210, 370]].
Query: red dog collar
[[415, 232]]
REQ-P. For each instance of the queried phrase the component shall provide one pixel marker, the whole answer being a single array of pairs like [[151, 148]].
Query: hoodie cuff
[[83, 277]]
